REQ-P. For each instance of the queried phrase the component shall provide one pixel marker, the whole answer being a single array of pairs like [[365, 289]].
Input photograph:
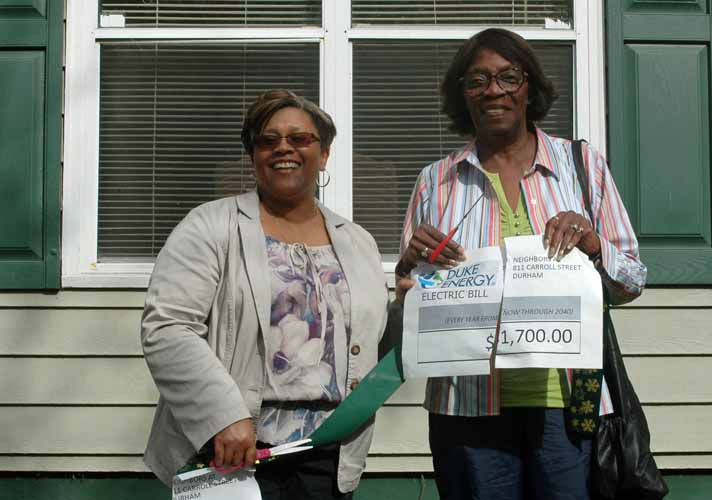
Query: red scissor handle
[[262, 454], [441, 245], [438, 249]]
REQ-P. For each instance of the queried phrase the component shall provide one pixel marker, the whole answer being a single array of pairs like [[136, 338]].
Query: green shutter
[[659, 131], [30, 134]]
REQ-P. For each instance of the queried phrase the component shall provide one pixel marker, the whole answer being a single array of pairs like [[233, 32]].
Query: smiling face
[[286, 173], [496, 112]]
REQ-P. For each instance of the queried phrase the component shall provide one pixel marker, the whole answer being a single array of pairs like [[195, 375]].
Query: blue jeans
[[524, 453]]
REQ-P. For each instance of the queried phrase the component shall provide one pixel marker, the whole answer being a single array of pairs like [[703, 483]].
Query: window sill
[[138, 275]]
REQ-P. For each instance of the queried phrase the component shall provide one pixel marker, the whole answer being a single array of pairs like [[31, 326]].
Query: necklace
[[293, 232]]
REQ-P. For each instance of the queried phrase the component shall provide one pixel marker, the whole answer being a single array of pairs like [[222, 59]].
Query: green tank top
[[533, 387]]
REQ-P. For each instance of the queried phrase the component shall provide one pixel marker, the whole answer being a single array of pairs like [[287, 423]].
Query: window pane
[[184, 13], [462, 12], [399, 129], [171, 117]]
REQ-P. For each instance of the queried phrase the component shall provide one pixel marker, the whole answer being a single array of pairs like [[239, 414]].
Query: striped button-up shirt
[[446, 189]]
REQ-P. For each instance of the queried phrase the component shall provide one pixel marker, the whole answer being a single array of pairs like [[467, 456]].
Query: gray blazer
[[207, 306]]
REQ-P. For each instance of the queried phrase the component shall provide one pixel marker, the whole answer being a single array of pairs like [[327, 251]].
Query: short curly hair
[[265, 107], [515, 49]]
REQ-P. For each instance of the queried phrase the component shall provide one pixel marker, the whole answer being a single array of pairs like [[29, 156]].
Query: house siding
[[78, 396]]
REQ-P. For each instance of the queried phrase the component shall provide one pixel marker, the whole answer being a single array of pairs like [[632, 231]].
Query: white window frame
[[80, 268]]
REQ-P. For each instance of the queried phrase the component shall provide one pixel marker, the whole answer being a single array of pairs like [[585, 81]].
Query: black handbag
[[622, 465]]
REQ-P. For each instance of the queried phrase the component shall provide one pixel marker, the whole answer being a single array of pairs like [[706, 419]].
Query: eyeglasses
[[296, 140], [509, 80]]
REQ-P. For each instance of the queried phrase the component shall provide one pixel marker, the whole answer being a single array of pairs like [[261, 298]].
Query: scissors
[[263, 455], [266, 454], [438, 249]]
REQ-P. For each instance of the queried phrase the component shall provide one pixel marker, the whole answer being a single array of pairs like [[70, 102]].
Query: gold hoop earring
[[328, 180]]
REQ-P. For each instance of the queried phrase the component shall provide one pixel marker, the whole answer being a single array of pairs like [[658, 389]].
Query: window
[[157, 90], [169, 131]]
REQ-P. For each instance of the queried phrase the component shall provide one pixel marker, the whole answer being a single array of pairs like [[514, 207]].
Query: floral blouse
[[306, 356]]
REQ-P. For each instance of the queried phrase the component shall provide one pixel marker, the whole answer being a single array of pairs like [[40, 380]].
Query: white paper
[[240, 484], [450, 317], [556, 24], [112, 21], [551, 311]]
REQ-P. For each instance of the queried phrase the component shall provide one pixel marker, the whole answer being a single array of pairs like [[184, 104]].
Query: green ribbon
[[363, 402]]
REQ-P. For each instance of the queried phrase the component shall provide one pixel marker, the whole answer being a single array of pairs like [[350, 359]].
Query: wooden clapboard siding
[[75, 430], [75, 299], [653, 384], [651, 298], [78, 397], [72, 332], [134, 463], [376, 463], [76, 381], [664, 331], [94, 463], [423, 463], [673, 298], [93, 381], [401, 430]]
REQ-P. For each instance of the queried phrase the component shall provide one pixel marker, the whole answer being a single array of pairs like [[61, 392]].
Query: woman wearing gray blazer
[[263, 312]]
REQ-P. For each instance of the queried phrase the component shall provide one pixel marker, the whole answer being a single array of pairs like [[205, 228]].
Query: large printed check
[[533, 312], [552, 311], [450, 314]]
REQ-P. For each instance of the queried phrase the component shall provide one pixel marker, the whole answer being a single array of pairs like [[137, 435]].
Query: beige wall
[[75, 394]]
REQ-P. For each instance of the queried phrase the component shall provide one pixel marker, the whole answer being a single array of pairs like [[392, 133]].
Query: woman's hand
[[421, 245], [235, 444], [402, 286], [567, 230]]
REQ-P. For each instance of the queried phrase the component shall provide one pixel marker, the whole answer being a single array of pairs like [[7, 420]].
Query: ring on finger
[[425, 252], [576, 228]]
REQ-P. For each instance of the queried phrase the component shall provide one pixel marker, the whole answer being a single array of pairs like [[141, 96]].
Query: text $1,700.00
[[549, 337]]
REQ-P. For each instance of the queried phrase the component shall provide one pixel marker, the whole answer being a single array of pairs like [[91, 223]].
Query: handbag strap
[[586, 387], [577, 149]]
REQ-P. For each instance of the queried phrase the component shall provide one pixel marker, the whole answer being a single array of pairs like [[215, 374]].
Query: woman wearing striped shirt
[[503, 436]]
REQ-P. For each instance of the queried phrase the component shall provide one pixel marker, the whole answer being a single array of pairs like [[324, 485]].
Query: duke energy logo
[[430, 280]]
